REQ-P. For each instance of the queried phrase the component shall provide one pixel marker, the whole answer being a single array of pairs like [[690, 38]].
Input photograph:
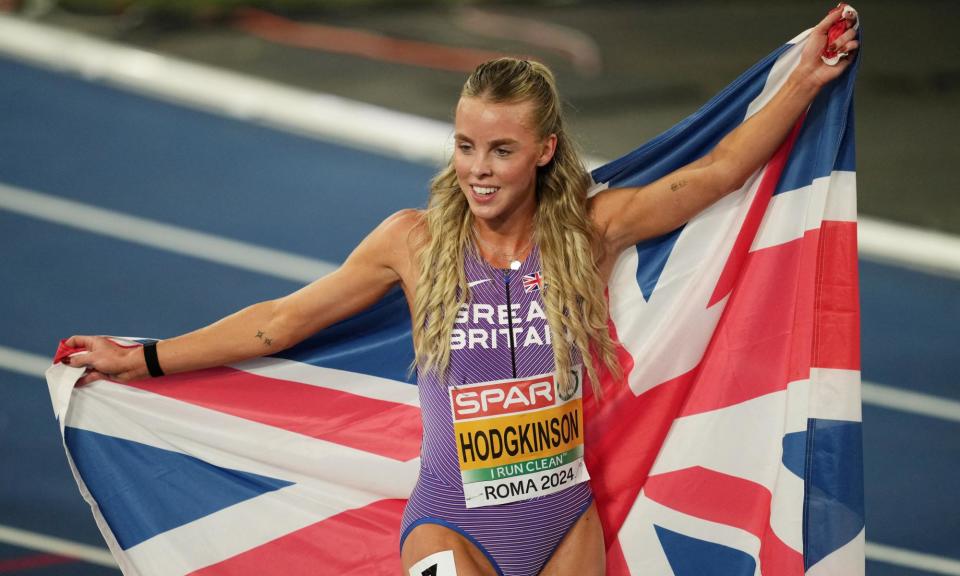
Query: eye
[[502, 152], [464, 147]]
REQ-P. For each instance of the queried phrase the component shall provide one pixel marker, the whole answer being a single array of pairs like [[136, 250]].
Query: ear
[[547, 150]]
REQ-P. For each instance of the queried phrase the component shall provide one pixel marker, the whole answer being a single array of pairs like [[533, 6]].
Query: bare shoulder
[[398, 240], [403, 231], [406, 221]]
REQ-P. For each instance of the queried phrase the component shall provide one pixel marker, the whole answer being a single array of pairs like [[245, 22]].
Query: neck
[[503, 248]]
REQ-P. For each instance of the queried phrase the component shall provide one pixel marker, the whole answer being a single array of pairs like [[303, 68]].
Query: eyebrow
[[492, 143]]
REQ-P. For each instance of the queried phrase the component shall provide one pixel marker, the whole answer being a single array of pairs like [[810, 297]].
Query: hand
[[105, 360], [812, 67]]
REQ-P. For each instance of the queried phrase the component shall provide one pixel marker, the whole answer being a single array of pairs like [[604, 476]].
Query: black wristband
[[153, 364]]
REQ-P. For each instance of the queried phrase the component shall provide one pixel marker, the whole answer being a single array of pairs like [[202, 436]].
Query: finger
[[845, 37], [91, 377], [79, 359], [79, 341]]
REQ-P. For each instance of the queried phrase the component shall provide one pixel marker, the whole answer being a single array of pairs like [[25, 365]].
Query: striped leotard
[[520, 535]]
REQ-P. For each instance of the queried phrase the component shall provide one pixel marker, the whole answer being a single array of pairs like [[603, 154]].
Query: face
[[496, 155]]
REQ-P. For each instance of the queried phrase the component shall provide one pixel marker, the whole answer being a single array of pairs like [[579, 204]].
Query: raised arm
[[379, 262], [626, 216]]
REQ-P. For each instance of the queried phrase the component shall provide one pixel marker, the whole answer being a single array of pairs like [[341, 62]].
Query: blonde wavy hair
[[576, 306]]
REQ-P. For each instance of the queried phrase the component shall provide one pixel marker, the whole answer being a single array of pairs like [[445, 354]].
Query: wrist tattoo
[[678, 185]]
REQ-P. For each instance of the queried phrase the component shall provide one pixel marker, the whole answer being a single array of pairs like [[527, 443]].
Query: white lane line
[[163, 236], [910, 247], [240, 96], [911, 559], [53, 545], [913, 402], [25, 363], [348, 122]]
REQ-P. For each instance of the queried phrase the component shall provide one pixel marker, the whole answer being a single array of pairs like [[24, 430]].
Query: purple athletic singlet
[[499, 429]]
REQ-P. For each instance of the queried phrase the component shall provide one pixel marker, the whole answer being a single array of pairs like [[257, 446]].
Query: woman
[[510, 206]]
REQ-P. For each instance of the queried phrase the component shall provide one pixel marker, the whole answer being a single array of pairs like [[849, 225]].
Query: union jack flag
[[734, 447], [532, 282]]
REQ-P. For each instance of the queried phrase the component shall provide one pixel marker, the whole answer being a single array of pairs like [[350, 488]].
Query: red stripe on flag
[[751, 223], [766, 336], [836, 342], [778, 558], [364, 541], [616, 561], [622, 438], [386, 428], [713, 496], [728, 500]]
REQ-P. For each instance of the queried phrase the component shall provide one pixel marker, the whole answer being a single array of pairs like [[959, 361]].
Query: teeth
[[484, 190]]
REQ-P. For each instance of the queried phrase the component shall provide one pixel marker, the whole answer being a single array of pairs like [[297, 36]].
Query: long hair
[[576, 306]]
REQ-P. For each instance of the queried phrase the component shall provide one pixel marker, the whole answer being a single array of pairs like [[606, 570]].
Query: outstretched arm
[[271, 326], [626, 216]]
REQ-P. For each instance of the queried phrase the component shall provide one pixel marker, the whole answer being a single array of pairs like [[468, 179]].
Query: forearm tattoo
[[261, 336], [678, 185]]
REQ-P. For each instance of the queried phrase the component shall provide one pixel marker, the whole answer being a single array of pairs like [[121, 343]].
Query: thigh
[[427, 539], [581, 551]]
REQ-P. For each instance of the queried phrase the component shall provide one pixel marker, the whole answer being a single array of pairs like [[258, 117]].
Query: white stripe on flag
[[133, 414], [341, 380], [786, 508], [835, 394], [831, 198], [716, 440], [844, 561], [243, 526]]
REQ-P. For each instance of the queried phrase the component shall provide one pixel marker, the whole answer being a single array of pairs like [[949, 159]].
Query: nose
[[480, 166]]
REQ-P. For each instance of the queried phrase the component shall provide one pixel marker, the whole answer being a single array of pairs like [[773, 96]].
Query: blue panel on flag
[[818, 150], [795, 452], [376, 342], [847, 155], [143, 491], [652, 256], [694, 557], [833, 504]]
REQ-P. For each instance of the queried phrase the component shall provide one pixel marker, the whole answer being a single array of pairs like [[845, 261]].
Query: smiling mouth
[[484, 190]]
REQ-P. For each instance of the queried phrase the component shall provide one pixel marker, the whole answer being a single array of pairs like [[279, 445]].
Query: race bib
[[518, 439]]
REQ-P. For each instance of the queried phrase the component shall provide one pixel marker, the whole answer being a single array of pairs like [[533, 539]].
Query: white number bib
[[518, 439]]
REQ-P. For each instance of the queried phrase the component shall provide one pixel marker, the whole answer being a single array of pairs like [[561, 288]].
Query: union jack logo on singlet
[[532, 282]]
